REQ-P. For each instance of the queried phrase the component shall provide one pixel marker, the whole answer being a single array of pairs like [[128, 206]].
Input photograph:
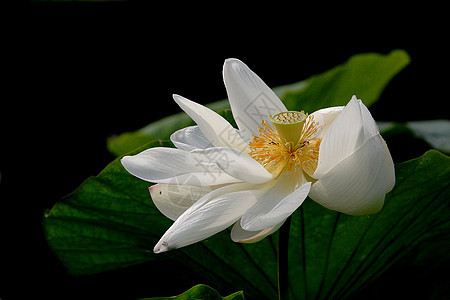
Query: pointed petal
[[266, 214], [172, 166], [369, 124], [342, 138], [371, 129], [280, 189], [285, 185], [211, 214], [173, 200], [251, 100], [238, 234], [214, 127], [233, 162], [157, 163], [286, 207], [357, 185], [190, 138]]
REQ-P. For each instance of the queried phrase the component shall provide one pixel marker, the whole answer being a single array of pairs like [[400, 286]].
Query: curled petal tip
[[233, 65], [176, 97], [151, 189], [231, 60], [161, 247]]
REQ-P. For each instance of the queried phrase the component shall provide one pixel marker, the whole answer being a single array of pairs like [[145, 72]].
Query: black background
[[79, 73]]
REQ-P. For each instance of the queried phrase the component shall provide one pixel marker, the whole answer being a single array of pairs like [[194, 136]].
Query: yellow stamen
[[278, 154]]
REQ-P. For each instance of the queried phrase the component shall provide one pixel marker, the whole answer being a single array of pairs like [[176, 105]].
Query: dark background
[[77, 74]]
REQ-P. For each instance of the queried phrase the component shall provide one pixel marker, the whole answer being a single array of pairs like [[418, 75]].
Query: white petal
[[369, 124], [173, 200], [343, 137], [357, 185], [190, 138], [268, 213], [214, 127], [157, 163], [202, 178], [371, 129], [172, 166], [251, 100], [277, 197], [232, 162], [238, 234], [286, 207], [325, 117], [281, 188], [211, 214]]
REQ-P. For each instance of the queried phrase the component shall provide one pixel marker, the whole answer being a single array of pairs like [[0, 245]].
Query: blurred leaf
[[128, 140], [363, 75], [407, 140], [105, 223], [203, 292], [435, 132], [110, 222]]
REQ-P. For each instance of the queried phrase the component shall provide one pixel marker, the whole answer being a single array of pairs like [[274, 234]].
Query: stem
[[283, 261]]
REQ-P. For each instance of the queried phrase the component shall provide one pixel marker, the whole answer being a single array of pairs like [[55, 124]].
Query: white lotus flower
[[256, 176]]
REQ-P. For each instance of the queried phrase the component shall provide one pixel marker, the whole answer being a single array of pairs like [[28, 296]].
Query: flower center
[[289, 145], [289, 124]]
